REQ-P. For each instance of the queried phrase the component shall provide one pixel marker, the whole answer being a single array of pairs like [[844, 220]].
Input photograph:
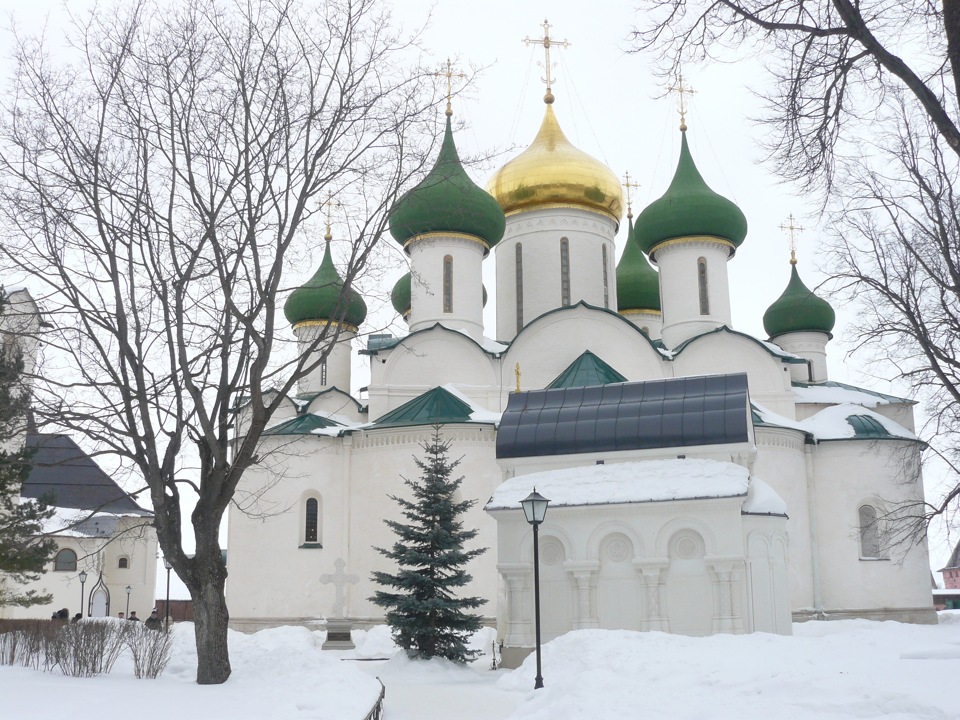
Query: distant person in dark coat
[[153, 622], [133, 616]]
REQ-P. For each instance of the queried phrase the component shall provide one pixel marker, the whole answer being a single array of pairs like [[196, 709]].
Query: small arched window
[[564, 271], [65, 561], [869, 532], [606, 279], [123, 563], [312, 523], [519, 255], [448, 284], [702, 285]]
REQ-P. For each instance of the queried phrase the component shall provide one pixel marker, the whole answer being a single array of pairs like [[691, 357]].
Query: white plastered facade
[[759, 569]]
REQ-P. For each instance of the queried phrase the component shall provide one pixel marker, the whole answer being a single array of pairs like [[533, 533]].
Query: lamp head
[[129, 589], [534, 507], [83, 576], [167, 564]]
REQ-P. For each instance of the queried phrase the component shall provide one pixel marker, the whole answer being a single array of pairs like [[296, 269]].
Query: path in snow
[[464, 693]]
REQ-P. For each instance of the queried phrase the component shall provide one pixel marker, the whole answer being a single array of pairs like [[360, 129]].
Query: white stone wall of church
[[768, 379], [133, 540], [781, 463], [380, 460], [649, 322], [269, 574], [680, 289], [432, 358], [540, 232], [426, 283], [850, 474], [547, 347], [338, 361], [811, 346], [571, 539], [337, 404]]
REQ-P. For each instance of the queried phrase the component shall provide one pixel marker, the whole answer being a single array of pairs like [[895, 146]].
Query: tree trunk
[[210, 625]]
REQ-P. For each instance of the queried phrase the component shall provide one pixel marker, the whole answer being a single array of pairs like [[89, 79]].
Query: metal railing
[[376, 712]]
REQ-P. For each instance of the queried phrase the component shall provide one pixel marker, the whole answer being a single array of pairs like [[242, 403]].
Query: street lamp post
[[127, 614], [535, 510], [166, 608], [83, 581]]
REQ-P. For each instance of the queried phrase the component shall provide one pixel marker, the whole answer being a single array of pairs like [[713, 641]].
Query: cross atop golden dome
[[547, 43]]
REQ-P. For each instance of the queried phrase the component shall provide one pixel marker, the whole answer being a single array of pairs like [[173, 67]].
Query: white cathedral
[[701, 480]]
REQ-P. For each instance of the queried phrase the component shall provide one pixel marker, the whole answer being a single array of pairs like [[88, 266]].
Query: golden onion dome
[[552, 172]]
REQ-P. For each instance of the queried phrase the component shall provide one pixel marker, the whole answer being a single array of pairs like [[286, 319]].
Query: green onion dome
[[638, 284], [318, 299], [400, 296], [447, 201], [689, 208], [798, 310]]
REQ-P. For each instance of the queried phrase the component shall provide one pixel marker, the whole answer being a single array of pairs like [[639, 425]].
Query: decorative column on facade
[[653, 578], [519, 624], [585, 574], [729, 575]]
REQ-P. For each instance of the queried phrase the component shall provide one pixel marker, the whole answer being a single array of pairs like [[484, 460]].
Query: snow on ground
[[838, 670]]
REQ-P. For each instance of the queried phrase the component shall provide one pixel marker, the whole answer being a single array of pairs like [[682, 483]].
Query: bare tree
[[155, 184], [863, 109]]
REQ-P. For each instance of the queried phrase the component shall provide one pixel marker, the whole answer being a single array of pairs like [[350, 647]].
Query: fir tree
[[426, 617], [23, 552]]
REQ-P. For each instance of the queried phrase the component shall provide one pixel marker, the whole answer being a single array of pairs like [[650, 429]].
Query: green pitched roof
[[586, 370], [865, 426], [434, 407], [319, 297], [447, 200], [302, 425], [798, 310], [689, 208], [638, 284]]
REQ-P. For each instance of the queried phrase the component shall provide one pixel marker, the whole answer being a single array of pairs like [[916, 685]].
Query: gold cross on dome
[[329, 204], [682, 90], [547, 43], [790, 227], [627, 184], [449, 74]]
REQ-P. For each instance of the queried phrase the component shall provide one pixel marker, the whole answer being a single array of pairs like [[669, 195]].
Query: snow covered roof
[[845, 421], [835, 393], [634, 482], [73, 522]]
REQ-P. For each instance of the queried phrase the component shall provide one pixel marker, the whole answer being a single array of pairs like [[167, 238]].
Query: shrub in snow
[[89, 648], [150, 650], [26, 643]]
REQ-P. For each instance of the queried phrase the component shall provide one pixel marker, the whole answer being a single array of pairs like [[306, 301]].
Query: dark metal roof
[[587, 369], [677, 412], [61, 470]]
